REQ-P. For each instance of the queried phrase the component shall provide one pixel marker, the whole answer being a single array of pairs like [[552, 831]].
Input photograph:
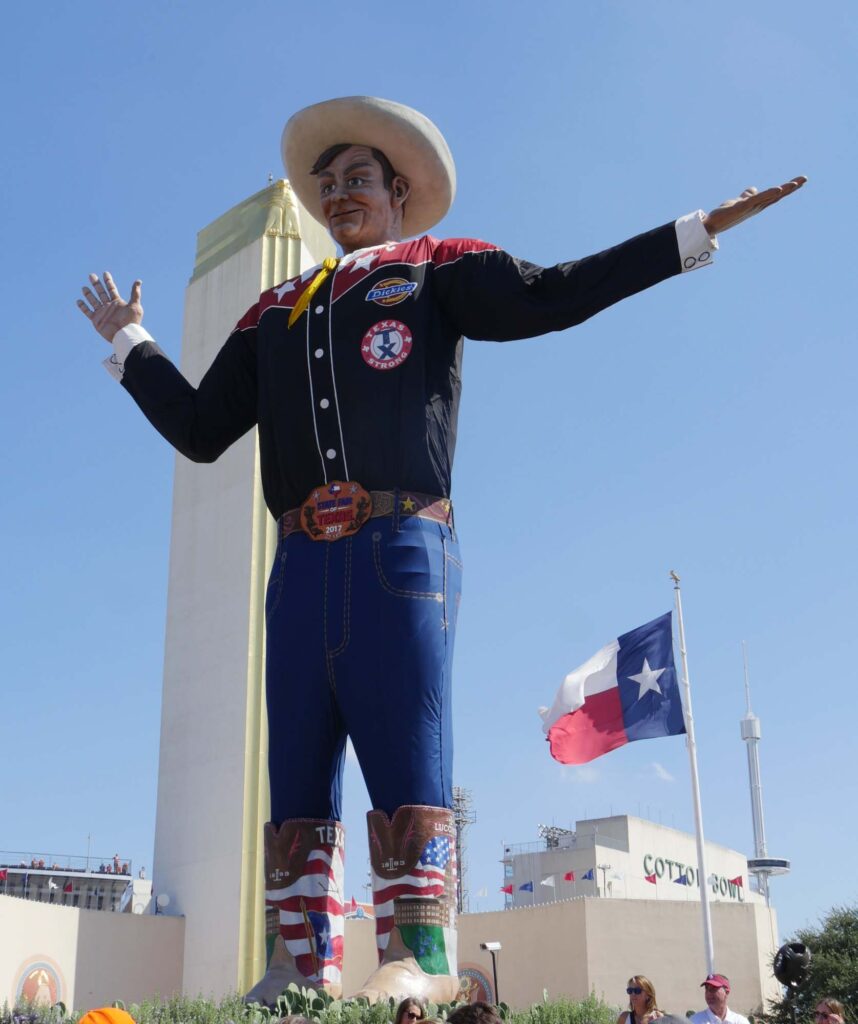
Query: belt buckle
[[335, 510]]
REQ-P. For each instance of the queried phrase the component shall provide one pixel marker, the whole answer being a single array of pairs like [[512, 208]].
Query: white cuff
[[123, 342], [695, 244]]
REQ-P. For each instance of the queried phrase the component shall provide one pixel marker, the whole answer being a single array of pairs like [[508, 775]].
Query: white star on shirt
[[647, 679], [363, 262], [288, 286]]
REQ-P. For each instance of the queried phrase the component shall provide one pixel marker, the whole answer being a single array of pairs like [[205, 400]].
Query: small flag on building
[[587, 876], [627, 691], [569, 876], [548, 880], [507, 889], [52, 884], [652, 879], [526, 887], [4, 874], [67, 887], [682, 880], [736, 881]]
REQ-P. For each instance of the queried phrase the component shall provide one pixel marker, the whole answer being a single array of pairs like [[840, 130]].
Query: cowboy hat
[[410, 141]]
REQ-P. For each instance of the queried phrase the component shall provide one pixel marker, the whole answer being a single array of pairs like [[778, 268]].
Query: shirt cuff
[[123, 341], [694, 242]]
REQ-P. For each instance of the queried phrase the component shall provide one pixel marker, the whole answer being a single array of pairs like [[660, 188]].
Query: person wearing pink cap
[[717, 988]]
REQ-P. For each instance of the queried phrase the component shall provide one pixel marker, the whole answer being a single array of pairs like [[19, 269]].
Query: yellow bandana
[[329, 265]]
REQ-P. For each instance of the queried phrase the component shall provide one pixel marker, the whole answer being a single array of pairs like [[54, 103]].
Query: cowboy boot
[[304, 908], [413, 859]]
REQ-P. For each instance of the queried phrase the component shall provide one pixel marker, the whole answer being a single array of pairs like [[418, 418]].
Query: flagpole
[[695, 784]]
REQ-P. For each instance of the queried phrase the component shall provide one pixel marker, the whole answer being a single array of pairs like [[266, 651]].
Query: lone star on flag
[[288, 286], [647, 679]]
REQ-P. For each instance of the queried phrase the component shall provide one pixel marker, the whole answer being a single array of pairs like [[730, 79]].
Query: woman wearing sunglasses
[[642, 1003], [409, 1011], [829, 1011]]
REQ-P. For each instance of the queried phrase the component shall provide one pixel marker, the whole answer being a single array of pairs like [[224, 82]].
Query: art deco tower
[[212, 777]]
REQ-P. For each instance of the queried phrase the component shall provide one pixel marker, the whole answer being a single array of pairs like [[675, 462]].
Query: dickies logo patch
[[386, 345], [391, 291]]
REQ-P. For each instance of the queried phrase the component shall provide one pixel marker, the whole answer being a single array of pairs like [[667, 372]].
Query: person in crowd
[[475, 1013], [717, 988], [829, 1011], [643, 1006], [107, 1015], [408, 1011]]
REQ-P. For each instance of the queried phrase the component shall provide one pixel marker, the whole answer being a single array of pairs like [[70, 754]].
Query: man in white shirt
[[717, 988]]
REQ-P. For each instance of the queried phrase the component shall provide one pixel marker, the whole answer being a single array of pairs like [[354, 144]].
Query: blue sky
[[707, 425]]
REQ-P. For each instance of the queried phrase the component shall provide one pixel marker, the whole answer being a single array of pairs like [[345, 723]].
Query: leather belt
[[384, 503]]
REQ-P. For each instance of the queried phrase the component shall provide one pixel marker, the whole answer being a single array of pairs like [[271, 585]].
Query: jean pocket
[[410, 565]]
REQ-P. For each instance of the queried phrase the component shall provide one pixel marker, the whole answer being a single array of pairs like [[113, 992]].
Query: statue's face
[[358, 209]]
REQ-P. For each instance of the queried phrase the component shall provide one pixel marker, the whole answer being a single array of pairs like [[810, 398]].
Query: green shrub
[[307, 1002]]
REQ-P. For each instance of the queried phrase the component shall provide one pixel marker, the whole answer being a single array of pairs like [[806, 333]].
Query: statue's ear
[[400, 189]]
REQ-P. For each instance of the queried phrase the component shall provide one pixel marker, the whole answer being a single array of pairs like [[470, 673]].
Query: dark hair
[[332, 152], [474, 1013], [405, 1006]]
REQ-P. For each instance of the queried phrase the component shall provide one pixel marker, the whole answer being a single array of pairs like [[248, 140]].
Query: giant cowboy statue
[[352, 374]]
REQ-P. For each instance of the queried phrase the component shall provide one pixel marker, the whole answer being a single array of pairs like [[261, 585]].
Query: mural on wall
[[40, 982], [479, 988]]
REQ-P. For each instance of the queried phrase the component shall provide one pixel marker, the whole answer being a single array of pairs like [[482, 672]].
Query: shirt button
[[320, 309], [331, 453], [324, 403], [319, 353]]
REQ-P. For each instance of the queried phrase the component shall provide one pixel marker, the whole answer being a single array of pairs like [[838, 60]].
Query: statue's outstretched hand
[[106, 308], [734, 211]]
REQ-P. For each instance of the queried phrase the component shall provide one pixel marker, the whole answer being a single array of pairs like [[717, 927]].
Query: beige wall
[[570, 948], [574, 947], [97, 956]]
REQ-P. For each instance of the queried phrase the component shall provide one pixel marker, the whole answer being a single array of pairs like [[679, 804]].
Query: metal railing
[[573, 841], [63, 863]]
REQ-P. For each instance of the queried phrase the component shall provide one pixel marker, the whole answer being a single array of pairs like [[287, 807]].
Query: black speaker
[[792, 962]]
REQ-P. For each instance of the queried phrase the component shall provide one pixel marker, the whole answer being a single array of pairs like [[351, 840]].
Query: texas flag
[[627, 691]]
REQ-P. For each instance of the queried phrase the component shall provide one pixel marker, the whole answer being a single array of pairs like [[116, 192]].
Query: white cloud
[[662, 773]]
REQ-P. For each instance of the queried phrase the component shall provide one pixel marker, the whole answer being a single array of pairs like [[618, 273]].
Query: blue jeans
[[360, 643]]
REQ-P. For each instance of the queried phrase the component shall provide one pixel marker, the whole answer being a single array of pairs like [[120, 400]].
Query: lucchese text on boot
[[413, 857]]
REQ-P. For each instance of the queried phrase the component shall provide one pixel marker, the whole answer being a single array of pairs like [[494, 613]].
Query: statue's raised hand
[[106, 308], [750, 202]]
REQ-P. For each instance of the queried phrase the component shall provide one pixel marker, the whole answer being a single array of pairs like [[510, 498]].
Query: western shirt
[[365, 385]]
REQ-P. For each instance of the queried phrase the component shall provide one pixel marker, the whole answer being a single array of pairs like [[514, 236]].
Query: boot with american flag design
[[413, 858], [304, 908]]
